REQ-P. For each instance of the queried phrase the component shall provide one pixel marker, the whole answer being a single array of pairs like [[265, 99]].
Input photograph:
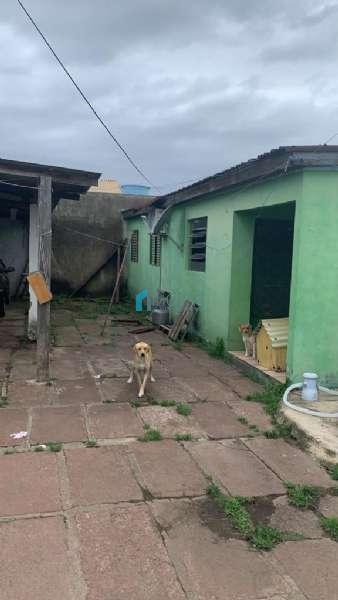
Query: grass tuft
[[150, 435], [54, 446], [216, 349], [91, 443], [270, 397], [333, 470], [266, 538], [183, 437], [303, 496], [183, 409], [167, 403], [330, 526], [259, 536], [10, 451]]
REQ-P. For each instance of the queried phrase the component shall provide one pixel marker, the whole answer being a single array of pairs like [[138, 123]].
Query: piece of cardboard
[[39, 286]]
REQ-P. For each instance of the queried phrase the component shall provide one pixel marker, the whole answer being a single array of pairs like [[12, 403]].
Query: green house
[[257, 241]]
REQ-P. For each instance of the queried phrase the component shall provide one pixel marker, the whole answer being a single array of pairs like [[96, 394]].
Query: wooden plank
[[141, 330], [45, 247], [39, 286], [185, 317], [118, 266]]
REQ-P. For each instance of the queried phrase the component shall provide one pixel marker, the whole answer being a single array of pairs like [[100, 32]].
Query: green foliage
[[217, 348], [266, 538], [151, 435], [183, 409], [270, 397], [259, 536], [91, 443], [183, 437], [330, 525], [303, 496], [167, 403], [333, 470], [54, 446]]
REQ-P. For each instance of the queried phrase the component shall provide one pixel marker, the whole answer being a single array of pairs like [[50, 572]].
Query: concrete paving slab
[[12, 420], [185, 368], [117, 390], [22, 371], [166, 470], [243, 386], [58, 424], [312, 564], [25, 354], [169, 422], [28, 484], [208, 389], [100, 475], [79, 391], [253, 412], [237, 470], [123, 556], [328, 506], [29, 393], [68, 364], [291, 519], [219, 421], [172, 389], [110, 366], [210, 566], [68, 336], [34, 560], [114, 421], [289, 462], [5, 354]]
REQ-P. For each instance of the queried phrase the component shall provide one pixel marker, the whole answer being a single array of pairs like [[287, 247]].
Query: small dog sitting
[[142, 366], [249, 340]]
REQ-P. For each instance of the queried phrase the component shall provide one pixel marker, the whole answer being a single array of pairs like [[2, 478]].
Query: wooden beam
[[45, 246]]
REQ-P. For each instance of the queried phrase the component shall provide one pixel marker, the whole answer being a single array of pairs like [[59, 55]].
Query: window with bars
[[155, 250], [134, 246], [198, 244]]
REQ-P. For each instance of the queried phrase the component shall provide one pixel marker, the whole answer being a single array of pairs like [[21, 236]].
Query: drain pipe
[[309, 389]]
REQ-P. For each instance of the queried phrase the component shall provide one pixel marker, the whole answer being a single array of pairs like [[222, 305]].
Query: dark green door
[[271, 269]]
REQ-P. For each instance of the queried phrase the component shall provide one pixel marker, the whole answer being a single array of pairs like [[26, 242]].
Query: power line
[[330, 138], [83, 96]]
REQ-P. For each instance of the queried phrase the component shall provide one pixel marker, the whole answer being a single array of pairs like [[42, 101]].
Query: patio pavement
[[131, 520]]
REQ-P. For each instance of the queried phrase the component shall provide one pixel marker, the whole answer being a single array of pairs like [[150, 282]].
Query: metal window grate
[[155, 250], [134, 246], [198, 244]]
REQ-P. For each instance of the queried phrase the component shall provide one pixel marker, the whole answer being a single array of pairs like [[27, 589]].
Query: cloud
[[188, 87]]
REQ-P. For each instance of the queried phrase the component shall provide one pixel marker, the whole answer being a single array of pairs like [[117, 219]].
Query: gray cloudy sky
[[188, 86]]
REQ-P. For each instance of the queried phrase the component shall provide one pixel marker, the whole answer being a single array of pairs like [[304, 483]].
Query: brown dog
[[142, 366]]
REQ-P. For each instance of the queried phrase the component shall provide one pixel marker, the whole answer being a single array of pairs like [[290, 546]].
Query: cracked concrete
[[131, 520]]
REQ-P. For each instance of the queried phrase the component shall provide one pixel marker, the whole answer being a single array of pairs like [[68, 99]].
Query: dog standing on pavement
[[142, 366]]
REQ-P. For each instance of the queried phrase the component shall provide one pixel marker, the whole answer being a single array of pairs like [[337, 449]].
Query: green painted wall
[[313, 341], [223, 290]]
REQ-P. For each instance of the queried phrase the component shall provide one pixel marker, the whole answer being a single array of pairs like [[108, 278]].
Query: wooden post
[[118, 266], [45, 246]]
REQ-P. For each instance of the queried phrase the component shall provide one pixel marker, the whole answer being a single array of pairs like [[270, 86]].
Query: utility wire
[[83, 96]]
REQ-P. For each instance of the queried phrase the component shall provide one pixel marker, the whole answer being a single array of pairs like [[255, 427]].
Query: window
[[134, 246], [155, 250], [198, 244]]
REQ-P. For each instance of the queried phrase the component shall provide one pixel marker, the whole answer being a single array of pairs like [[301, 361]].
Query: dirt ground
[[111, 517]]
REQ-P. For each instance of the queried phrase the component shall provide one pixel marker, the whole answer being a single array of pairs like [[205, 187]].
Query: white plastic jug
[[310, 387]]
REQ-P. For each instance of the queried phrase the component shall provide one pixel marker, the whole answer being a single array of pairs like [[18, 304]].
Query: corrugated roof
[[277, 161], [277, 330]]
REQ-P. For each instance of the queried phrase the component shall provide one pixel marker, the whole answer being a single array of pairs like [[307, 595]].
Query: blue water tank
[[136, 190]]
